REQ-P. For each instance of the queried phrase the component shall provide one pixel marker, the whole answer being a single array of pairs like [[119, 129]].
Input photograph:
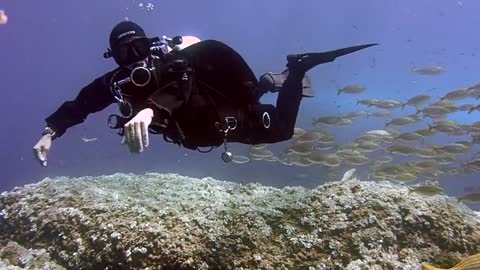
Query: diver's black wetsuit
[[193, 112], [223, 85]]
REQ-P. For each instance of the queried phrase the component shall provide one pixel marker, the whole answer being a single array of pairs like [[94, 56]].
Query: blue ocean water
[[50, 50]]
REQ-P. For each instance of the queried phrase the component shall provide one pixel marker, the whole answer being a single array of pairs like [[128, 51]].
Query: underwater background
[[49, 50]]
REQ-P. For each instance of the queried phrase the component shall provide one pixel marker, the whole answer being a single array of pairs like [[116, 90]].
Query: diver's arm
[[92, 98]]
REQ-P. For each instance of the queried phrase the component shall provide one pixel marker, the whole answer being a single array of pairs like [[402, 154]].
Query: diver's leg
[[282, 117], [288, 104]]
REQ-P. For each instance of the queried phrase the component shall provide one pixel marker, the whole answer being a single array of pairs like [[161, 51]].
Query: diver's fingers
[[132, 143], [129, 136], [138, 137], [145, 140], [40, 155], [123, 140], [125, 134]]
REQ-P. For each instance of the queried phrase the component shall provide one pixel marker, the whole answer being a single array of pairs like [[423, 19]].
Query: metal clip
[[117, 93], [230, 124]]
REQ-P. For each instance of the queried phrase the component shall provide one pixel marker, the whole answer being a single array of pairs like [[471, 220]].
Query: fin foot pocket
[[272, 82]]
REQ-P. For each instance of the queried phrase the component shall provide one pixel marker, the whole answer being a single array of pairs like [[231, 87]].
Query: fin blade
[[330, 56]]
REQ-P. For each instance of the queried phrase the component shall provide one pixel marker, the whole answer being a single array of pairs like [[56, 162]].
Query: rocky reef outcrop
[[168, 221]]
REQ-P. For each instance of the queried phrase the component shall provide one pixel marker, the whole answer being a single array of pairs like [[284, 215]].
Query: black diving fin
[[272, 81], [307, 61]]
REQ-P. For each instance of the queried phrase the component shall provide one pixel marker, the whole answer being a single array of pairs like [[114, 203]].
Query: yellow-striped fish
[[468, 263]]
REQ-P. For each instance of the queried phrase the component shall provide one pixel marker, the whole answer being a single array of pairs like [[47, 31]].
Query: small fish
[[433, 111], [393, 132], [260, 153], [445, 159], [367, 102], [367, 146], [351, 89], [446, 126], [271, 159], [259, 146], [357, 160], [316, 157], [455, 148], [367, 138], [405, 177], [379, 132], [344, 121], [401, 121], [380, 114], [304, 148], [424, 165], [457, 94], [327, 139], [470, 198], [384, 159], [298, 131], [332, 160], [409, 137], [324, 145], [417, 100], [404, 150], [349, 175], [468, 263], [444, 103], [433, 70], [86, 140], [309, 136], [327, 120], [388, 104], [390, 170], [239, 159], [301, 162], [3, 17], [427, 189], [448, 105], [453, 171], [474, 91], [473, 166], [426, 153], [473, 108], [466, 108], [353, 115], [426, 132], [348, 153]]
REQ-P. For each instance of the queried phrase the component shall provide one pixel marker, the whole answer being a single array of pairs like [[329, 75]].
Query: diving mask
[[134, 50]]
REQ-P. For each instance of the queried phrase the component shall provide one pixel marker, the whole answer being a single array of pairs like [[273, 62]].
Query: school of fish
[[391, 153]]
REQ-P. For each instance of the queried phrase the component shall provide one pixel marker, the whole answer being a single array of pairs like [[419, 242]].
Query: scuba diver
[[195, 93]]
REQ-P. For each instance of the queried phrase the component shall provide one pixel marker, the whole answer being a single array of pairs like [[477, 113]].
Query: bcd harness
[[195, 93]]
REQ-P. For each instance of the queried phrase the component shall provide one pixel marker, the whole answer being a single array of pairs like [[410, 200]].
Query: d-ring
[[266, 120]]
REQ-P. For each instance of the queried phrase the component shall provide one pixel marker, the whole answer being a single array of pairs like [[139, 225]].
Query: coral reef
[[167, 221]]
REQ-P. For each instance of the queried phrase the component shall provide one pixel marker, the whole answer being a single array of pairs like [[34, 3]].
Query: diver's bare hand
[[136, 131], [41, 149]]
